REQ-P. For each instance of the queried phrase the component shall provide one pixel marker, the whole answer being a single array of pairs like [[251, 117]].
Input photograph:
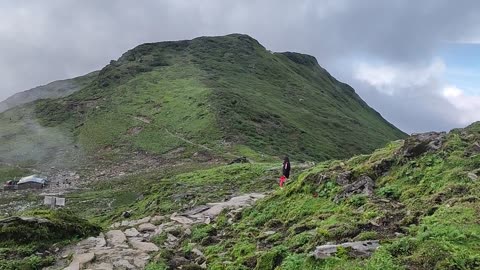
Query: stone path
[[128, 245]]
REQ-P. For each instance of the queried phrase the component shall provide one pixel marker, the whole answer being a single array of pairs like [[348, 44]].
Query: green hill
[[213, 97], [54, 89]]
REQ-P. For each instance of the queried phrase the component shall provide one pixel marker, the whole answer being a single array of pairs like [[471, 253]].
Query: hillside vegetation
[[212, 96], [54, 89], [421, 201]]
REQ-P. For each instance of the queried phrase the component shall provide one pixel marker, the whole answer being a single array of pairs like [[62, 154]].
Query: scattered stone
[[187, 231], [197, 252], [84, 258], [142, 246], [143, 220], [196, 210], [269, 232], [359, 249], [239, 160], [103, 266], [74, 265], [123, 264], [344, 178], [182, 219], [147, 227], [141, 260], [472, 176], [171, 238], [363, 184], [132, 232], [115, 237], [157, 219]]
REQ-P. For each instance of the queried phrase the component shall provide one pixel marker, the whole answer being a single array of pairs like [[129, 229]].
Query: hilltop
[[210, 98]]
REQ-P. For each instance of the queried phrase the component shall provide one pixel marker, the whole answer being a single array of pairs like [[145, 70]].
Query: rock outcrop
[[418, 144], [362, 185]]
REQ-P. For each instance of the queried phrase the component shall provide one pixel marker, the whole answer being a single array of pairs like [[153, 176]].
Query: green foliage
[[220, 96], [11, 172], [21, 240], [429, 199]]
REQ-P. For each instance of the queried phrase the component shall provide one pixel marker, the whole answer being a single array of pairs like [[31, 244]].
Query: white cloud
[[467, 104], [390, 79]]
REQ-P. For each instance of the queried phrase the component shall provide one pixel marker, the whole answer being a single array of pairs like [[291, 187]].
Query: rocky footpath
[[130, 244]]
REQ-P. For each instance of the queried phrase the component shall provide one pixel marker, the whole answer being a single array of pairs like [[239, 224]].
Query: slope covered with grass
[[28, 242], [54, 89], [215, 96], [423, 207]]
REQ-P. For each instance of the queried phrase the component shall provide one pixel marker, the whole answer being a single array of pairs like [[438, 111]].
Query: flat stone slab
[[147, 227], [116, 237], [142, 246], [103, 266], [182, 219], [132, 232], [360, 248]]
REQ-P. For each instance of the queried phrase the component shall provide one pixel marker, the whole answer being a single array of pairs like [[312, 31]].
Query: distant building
[[31, 182]]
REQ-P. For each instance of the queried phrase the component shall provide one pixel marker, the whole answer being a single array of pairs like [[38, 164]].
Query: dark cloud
[[42, 41]]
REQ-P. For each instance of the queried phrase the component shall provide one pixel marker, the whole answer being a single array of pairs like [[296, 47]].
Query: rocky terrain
[[154, 152], [130, 243]]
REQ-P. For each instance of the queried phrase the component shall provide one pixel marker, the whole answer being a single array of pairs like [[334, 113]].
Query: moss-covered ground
[[424, 210]]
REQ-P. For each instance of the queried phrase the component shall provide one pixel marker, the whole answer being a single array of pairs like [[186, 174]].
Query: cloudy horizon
[[415, 63]]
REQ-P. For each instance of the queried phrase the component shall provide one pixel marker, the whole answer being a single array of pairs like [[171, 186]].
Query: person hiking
[[285, 171]]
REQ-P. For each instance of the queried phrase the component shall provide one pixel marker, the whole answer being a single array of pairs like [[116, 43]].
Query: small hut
[[31, 182]]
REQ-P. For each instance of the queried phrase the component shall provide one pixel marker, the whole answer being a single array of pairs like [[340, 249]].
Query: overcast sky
[[416, 62]]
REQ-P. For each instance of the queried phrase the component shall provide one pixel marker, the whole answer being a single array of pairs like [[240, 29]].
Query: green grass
[[164, 191], [11, 172], [429, 199], [21, 243], [219, 96]]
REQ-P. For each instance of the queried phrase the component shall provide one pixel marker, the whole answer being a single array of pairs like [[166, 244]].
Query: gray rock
[[137, 243], [359, 249], [171, 238], [103, 266], [157, 219], [182, 219], [363, 184], [132, 232], [418, 144], [141, 260], [147, 227], [115, 238], [344, 178], [472, 176], [123, 264], [197, 252]]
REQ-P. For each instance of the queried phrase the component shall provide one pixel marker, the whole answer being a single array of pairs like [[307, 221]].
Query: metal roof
[[30, 179]]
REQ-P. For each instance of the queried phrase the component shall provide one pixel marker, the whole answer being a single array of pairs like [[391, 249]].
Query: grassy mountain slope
[[424, 210], [211, 96], [55, 89]]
